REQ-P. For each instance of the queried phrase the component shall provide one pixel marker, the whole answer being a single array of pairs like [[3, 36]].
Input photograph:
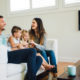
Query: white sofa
[[17, 71]]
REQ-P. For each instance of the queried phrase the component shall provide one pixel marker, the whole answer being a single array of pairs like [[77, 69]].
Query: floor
[[61, 66]]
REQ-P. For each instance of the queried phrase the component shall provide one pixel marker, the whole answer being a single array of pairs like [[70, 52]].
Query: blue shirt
[[3, 40]]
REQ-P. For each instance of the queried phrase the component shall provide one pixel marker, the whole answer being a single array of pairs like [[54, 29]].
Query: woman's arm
[[39, 46]]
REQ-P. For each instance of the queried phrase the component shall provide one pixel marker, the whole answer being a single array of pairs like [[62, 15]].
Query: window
[[71, 1], [43, 3], [16, 5]]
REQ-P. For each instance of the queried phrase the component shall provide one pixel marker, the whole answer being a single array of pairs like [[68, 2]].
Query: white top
[[16, 41], [3, 50], [3, 54]]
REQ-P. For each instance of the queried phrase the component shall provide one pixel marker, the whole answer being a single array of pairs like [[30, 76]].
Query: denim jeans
[[51, 55], [26, 56]]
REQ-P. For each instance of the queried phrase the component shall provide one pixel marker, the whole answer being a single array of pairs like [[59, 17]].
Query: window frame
[[31, 10], [71, 5], [44, 7]]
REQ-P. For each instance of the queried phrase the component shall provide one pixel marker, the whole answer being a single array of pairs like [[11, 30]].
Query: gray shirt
[[41, 47]]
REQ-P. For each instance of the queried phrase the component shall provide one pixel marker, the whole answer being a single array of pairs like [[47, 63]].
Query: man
[[23, 56]]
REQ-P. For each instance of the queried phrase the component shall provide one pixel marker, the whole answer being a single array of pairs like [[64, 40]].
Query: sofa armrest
[[3, 71], [3, 62], [52, 44], [3, 54]]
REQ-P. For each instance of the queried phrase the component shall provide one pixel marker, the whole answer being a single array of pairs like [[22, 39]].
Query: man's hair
[[1, 16], [15, 29]]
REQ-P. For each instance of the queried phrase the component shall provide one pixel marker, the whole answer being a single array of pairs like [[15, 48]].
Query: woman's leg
[[44, 63], [51, 54], [26, 56], [43, 53]]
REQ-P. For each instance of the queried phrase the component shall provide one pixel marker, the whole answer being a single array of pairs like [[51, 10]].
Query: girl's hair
[[15, 29], [23, 33], [40, 31]]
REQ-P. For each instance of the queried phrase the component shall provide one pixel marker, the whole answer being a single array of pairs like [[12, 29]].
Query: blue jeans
[[51, 55], [26, 56]]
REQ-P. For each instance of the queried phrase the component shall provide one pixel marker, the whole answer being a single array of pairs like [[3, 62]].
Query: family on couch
[[22, 49]]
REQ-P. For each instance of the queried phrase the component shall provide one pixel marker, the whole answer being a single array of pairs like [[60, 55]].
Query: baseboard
[[65, 59]]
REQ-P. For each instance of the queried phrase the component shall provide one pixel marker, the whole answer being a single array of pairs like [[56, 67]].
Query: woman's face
[[34, 25]]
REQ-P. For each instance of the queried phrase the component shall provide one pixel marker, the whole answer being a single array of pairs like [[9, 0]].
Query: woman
[[38, 40]]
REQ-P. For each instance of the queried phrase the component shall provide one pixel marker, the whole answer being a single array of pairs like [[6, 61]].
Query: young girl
[[25, 41]]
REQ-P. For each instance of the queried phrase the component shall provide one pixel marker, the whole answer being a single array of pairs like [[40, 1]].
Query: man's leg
[[38, 62], [25, 56]]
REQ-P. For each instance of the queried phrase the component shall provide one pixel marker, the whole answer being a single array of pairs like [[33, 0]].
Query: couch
[[17, 71]]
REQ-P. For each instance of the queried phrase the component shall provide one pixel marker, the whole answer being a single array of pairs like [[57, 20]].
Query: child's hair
[[15, 29], [23, 33]]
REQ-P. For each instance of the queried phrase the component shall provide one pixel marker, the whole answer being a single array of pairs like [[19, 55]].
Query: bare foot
[[48, 67]]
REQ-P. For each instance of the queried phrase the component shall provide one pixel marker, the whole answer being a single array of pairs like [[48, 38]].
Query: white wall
[[60, 24]]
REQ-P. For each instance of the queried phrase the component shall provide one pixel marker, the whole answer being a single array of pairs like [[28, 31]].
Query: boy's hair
[[15, 29], [1, 16]]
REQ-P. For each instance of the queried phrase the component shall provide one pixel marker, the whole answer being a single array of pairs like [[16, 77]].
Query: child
[[25, 38], [14, 40], [25, 41]]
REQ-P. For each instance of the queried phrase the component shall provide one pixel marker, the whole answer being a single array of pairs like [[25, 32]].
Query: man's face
[[2, 23]]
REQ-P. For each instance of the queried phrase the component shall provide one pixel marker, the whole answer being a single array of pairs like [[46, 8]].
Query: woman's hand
[[32, 43], [25, 44]]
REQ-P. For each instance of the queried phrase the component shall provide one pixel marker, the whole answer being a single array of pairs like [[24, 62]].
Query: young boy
[[14, 40]]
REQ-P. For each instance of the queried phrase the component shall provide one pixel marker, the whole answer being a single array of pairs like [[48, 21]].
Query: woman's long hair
[[40, 31]]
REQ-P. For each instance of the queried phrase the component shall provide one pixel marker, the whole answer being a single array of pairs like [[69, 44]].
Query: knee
[[38, 54], [43, 52], [52, 52], [33, 50]]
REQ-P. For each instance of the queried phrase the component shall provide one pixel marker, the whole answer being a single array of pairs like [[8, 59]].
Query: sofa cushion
[[13, 69]]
